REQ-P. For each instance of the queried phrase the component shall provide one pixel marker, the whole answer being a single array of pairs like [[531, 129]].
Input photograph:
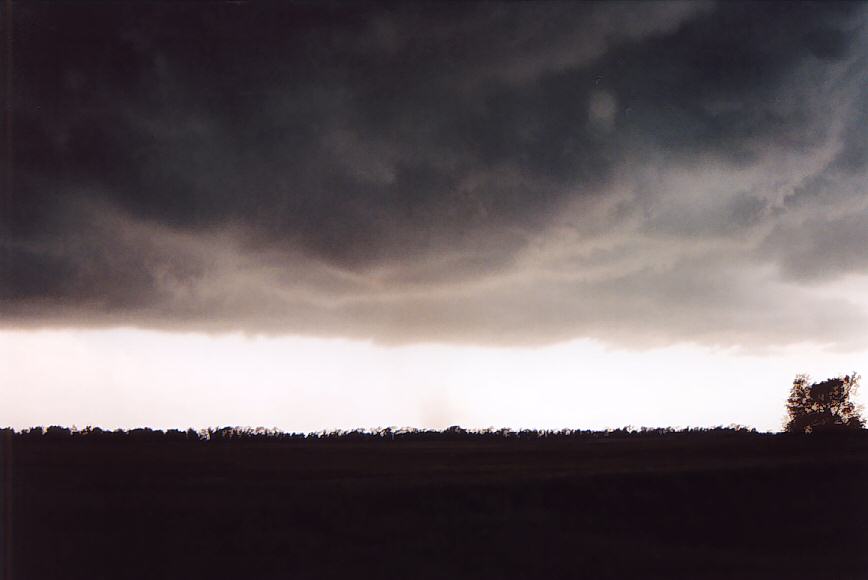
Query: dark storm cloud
[[524, 172]]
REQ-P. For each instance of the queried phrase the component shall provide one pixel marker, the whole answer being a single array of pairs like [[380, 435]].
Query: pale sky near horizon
[[523, 214], [127, 378]]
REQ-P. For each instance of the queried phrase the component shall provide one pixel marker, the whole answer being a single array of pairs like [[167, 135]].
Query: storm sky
[[641, 175]]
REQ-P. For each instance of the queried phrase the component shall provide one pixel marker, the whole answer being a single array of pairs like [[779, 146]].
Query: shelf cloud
[[641, 174]]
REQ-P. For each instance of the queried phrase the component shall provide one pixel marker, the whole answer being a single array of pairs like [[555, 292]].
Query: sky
[[317, 215]]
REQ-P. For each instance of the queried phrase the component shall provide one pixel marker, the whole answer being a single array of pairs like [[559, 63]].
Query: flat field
[[693, 505]]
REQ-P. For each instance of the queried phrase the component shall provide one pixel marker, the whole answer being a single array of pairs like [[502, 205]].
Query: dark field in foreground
[[682, 505]]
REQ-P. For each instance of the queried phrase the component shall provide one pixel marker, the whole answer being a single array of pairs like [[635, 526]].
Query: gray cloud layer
[[519, 173]]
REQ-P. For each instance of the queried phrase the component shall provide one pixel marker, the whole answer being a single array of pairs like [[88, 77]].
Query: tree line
[[454, 433]]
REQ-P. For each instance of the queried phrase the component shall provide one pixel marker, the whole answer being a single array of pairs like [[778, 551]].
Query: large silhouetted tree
[[823, 406]]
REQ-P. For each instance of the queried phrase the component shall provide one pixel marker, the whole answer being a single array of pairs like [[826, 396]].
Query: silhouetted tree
[[823, 406]]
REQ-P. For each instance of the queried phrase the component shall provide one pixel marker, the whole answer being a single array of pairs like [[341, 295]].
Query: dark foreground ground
[[689, 505]]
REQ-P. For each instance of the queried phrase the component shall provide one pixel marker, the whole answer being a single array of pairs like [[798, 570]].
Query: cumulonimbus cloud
[[514, 173]]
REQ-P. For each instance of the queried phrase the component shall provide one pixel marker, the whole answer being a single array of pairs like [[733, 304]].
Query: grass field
[[672, 505]]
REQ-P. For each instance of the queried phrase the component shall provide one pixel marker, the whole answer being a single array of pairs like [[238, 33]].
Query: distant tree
[[823, 406], [57, 432]]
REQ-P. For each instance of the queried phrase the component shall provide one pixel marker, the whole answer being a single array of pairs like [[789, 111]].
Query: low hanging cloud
[[642, 174]]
